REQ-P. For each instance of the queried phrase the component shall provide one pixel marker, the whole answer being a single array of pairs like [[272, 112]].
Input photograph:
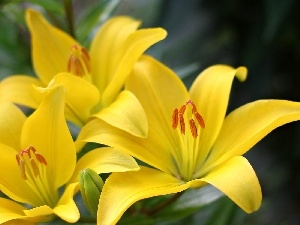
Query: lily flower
[[38, 169], [190, 141], [93, 78]]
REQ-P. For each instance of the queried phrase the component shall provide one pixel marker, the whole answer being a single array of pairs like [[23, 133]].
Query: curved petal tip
[[241, 73]]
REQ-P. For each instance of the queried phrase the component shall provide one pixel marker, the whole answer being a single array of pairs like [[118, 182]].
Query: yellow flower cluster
[[135, 106]]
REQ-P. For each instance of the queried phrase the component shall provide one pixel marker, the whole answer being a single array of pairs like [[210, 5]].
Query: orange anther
[[182, 124], [79, 61], [182, 109], [41, 158], [26, 161], [194, 117], [200, 119], [193, 128], [175, 119]]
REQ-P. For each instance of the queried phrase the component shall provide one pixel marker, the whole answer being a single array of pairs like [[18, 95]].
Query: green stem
[[159, 207], [70, 16]]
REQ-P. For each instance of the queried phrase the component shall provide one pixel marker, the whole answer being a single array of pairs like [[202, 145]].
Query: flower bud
[[90, 184]]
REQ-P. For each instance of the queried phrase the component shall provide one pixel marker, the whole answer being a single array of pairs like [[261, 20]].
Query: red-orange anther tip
[[193, 128], [182, 124], [74, 47], [23, 162], [175, 119], [79, 61], [41, 158], [182, 109], [200, 120]]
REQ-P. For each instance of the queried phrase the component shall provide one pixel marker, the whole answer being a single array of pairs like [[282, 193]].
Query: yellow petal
[[11, 180], [121, 191], [50, 46], [19, 222], [247, 125], [11, 124], [105, 44], [41, 213], [81, 96], [210, 92], [105, 160], [160, 91], [66, 208], [237, 179], [10, 211], [18, 89], [128, 53], [147, 151], [47, 131], [126, 113]]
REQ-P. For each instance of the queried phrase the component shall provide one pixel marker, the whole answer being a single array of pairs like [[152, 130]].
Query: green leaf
[[223, 214], [94, 15], [190, 202], [136, 220]]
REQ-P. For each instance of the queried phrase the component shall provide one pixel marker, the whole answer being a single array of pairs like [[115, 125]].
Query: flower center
[[79, 62], [32, 167], [186, 154], [178, 118]]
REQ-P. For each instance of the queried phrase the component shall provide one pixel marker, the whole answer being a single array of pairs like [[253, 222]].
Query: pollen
[[195, 120], [175, 118], [30, 162], [193, 128], [79, 61]]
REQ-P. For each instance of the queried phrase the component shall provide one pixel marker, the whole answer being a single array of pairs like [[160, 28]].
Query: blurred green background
[[263, 35]]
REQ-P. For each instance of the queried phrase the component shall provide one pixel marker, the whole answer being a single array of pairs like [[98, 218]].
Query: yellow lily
[[38, 162], [93, 78], [190, 142]]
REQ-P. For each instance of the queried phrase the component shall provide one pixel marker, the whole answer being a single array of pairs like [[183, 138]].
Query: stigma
[[194, 118], [79, 61], [30, 162]]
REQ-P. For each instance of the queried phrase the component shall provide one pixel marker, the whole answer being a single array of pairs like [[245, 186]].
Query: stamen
[[199, 119], [34, 167], [182, 124], [22, 169], [79, 61], [179, 115], [175, 119], [194, 108], [193, 128], [40, 158], [18, 159], [29, 159], [182, 109]]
